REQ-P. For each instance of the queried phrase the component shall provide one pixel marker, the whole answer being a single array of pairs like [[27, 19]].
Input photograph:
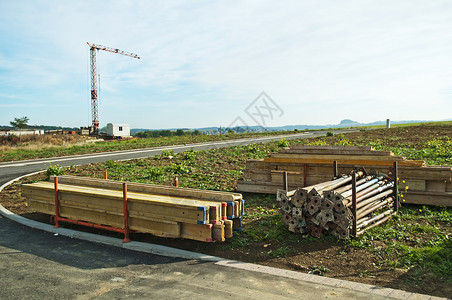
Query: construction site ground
[[326, 255]]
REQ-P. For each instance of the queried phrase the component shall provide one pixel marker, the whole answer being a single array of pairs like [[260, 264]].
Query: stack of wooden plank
[[309, 165], [160, 210]]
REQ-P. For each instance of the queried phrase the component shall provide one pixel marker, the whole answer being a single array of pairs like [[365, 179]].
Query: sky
[[223, 63]]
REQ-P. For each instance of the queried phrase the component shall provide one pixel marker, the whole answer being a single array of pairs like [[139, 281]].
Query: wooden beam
[[343, 161], [428, 198], [315, 147], [150, 188], [334, 157], [336, 152]]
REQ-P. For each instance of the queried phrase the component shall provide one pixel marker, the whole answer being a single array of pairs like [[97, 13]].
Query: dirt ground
[[310, 255]]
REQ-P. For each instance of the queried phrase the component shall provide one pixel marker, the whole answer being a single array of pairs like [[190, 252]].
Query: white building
[[118, 130], [18, 132]]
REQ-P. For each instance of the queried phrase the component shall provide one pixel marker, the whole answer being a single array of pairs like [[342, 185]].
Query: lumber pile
[[339, 207], [310, 165], [160, 210]]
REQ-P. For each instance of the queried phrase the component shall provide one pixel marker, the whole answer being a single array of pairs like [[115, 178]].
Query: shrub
[[110, 164], [54, 171], [189, 155], [178, 169], [155, 173], [283, 143]]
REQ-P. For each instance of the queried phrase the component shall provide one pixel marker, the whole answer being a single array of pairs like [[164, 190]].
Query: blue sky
[[204, 62]]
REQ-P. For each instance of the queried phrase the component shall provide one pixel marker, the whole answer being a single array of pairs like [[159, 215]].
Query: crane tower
[[93, 48]]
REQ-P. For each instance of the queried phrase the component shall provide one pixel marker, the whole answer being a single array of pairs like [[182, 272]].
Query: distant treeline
[[163, 133]]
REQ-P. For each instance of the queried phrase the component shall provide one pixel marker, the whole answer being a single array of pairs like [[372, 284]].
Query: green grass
[[440, 123], [434, 151], [413, 239]]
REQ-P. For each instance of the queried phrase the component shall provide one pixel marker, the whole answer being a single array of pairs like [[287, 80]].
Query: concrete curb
[[178, 253]]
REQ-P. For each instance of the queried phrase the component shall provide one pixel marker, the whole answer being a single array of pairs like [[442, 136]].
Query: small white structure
[[118, 130], [18, 132]]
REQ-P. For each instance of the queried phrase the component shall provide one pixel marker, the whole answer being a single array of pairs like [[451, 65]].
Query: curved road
[[41, 265]]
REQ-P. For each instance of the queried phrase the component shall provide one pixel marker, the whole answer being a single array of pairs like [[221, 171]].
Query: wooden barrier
[[309, 165]]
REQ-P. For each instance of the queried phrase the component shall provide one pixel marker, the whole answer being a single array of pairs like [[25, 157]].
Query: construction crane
[[93, 48]]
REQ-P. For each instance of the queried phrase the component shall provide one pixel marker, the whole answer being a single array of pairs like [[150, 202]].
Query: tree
[[20, 122]]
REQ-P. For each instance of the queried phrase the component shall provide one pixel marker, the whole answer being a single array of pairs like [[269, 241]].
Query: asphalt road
[[40, 265]]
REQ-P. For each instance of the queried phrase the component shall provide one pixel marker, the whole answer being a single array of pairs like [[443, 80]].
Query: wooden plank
[[293, 178], [238, 209], [80, 214], [215, 213], [218, 232], [297, 179], [344, 162], [228, 228], [104, 204], [156, 227], [196, 232], [337, 157], [259, 187], [265, 175], [237, 224], [315, 147], [413, 185], [173, 213], [449, 187], [429, 198], [150, 188], [337, 151], [436, 186], [38, 206]]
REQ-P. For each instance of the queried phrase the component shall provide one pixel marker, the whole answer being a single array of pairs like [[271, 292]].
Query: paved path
[[40, 265]]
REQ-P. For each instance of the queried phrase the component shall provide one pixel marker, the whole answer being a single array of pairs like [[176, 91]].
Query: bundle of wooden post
[[309, 165], [160, 210], [328, 206]]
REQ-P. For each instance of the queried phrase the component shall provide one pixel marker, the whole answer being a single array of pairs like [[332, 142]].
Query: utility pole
[[93, 48]]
